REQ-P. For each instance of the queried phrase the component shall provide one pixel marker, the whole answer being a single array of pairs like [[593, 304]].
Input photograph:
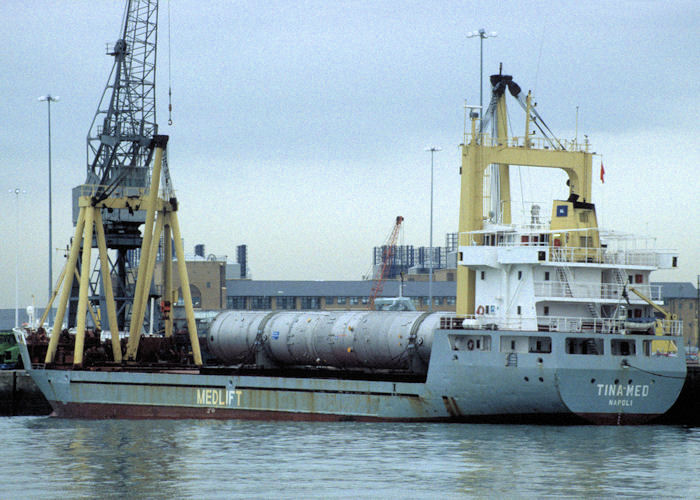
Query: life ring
[[480, 310], [470, 344]]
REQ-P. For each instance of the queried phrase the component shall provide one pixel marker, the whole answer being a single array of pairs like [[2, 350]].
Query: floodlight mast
[[48, 98], [482, 35]]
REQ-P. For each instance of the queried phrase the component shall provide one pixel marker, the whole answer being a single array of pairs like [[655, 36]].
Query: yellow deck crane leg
[[54, 294], [150, 264], [107, 282], [90, 308], [142, 281], [84, 288], [470, 215], [67, 284], [503, 168], [168, 274], [186, 293]]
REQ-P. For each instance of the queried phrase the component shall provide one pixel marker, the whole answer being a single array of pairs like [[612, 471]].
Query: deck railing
[[582, 290], [563, 324]]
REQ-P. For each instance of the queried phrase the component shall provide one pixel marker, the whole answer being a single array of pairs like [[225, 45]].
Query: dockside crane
[[128, 185], [387, 254]]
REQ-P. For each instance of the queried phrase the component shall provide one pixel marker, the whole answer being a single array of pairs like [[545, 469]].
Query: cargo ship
[[556, 319]]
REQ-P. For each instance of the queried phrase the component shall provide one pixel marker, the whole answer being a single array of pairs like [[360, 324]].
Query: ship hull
[[460, 385]]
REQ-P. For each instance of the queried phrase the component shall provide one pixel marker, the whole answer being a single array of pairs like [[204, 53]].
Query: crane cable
[[170, 88]]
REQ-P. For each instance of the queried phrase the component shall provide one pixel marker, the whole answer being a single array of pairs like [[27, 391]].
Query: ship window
[[622, 347], [470, 342], [629, 279], [520, 275], [342, 300], [546, 275], [583, 216], [354, 300], [586, 241], [546, 310], [330, 300], [483, 275], [540, 344], [638, 278], [675, 262], [520, 310], [514, 344], [582, 345]]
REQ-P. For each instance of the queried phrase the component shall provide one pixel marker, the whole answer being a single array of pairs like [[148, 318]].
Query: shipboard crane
[[479, 150], [126, 160], [387, 254], [119, 156]]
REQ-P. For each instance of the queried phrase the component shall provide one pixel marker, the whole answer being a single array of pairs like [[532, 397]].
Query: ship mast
[[480, 150]]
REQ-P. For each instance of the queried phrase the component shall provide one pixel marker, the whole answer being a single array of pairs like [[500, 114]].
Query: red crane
[[387, 253]]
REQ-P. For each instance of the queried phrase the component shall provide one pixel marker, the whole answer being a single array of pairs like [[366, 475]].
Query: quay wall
[[19, 395]]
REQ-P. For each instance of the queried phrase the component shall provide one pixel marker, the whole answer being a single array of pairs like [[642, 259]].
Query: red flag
[[602, 173]]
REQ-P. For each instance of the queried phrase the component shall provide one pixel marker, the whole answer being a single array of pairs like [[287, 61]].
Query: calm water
[[53, 458]]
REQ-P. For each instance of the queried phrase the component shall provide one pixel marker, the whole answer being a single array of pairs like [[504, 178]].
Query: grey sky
[[300, 127]]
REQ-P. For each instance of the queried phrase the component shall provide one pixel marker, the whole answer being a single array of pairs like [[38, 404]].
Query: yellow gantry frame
[[476, 156], [161, 218]]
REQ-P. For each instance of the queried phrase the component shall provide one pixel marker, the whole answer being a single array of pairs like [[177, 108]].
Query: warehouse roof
[[251, 288]]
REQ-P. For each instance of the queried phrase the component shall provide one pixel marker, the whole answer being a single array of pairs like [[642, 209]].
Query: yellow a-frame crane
[[126, 159], [161, 219]]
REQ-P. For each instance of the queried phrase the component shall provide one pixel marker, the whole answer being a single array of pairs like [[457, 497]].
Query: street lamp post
[[17, 192], [432, 150], [482, 35], [49, 99]]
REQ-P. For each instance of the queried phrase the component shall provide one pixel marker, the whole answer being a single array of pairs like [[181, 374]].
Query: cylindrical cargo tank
[[353, 339]]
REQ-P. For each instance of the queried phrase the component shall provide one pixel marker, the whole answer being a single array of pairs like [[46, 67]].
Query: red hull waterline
[[142, 412], [139, 412]]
